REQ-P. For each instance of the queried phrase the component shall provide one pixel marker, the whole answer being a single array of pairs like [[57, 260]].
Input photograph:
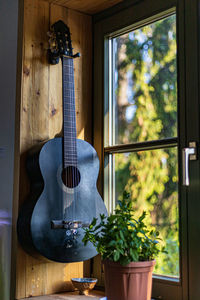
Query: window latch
[[188, 154]]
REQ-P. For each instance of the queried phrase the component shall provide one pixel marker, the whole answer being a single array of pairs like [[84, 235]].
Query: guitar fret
[[72, 151], [69, 118], [68, 66], [68, 89], [69, 109], [71, 129], [71, 159], [69, 133], [71, 147], [67, 81], [68, 138], [69, 101], [73, 122]]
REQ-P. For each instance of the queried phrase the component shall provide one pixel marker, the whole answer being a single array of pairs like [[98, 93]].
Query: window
[[142, 112], [146, 108]]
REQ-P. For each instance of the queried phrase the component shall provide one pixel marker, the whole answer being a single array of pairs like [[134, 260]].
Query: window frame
[[104, 26], [108, 147]]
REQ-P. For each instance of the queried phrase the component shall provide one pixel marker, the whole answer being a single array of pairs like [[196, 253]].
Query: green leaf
[[121, 235], [116, 255]]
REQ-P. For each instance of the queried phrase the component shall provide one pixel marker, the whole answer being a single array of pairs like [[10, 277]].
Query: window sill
[[94, 295]]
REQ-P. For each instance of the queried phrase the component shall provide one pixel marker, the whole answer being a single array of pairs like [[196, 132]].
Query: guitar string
[[63, 147], [74, 116], [66, 145], [74, 145], [73, 168], [65, 133]]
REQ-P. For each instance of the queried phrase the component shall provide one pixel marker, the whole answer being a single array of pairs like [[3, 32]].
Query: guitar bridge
[[62, 224]]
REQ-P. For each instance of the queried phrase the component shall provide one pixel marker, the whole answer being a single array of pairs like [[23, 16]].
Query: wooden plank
[[94, 295], [34, 106], [35, 277], [81, 29], [41, 119], [87, 6], [35, 74], [87, 268], [98, 270], [55, 80], [20, 274]]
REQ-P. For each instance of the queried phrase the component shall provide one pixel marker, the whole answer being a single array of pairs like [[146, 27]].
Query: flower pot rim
[[136, 264]]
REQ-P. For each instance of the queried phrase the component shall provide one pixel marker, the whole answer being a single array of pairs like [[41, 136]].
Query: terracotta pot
[[130, 282]]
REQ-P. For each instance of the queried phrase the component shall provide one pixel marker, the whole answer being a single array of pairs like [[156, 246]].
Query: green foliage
[[122, 238], [146, 64]]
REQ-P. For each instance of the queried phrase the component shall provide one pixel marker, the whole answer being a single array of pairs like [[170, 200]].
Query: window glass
[[144, 83], [151, 178]]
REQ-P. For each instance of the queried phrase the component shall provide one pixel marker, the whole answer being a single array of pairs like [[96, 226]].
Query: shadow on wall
[[5, 227]]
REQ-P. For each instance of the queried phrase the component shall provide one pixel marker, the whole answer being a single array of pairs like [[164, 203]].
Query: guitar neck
[[69, 113]]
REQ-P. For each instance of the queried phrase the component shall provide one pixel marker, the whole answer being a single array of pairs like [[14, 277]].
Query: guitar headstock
[[60, 43]]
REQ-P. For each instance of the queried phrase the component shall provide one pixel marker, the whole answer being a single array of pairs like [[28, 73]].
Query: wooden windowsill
[[94, 295]]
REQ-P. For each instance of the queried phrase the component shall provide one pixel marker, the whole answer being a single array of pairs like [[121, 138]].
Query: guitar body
[[63, 174], [45, 171]]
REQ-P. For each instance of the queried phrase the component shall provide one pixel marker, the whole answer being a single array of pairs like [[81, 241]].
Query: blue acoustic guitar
[[63, 173]]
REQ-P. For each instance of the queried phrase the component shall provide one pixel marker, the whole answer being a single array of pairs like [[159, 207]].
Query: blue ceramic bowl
[[84, 285]]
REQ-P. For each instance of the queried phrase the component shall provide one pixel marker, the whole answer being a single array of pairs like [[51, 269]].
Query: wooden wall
[[41, 119], [86, 6]]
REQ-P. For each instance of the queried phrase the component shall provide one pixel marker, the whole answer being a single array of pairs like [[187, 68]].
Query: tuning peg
[[50, 33], [76, 55]]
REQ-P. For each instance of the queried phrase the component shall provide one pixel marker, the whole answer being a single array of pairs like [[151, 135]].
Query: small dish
[[84, 285]]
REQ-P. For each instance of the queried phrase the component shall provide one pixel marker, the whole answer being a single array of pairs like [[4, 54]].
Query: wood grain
[[41, 119], [87, 6], [94, 295], [98, 271]]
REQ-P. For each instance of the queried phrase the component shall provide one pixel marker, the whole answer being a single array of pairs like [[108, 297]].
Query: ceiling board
[[87, 6]]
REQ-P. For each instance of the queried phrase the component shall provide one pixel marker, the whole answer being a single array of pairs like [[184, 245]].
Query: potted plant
[[128, 249]]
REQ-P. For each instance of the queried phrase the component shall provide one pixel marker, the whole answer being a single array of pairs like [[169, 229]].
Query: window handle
[[188, 154]]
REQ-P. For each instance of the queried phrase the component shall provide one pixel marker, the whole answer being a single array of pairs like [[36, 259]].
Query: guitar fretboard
[[69, 114]]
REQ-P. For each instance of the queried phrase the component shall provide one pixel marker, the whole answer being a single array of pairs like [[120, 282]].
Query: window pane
[[144, 82], [151, 178]]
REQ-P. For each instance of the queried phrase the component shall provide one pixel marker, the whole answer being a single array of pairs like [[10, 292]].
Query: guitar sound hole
[[71, 176]]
